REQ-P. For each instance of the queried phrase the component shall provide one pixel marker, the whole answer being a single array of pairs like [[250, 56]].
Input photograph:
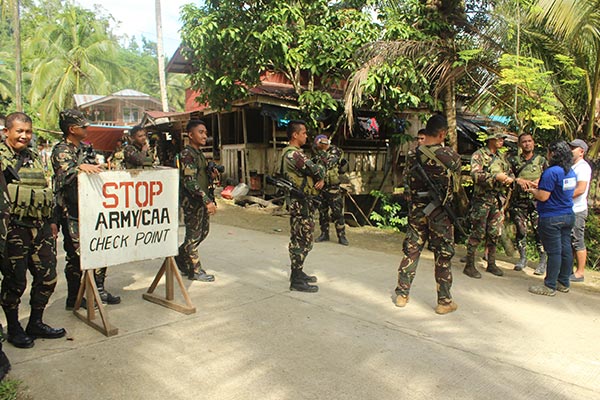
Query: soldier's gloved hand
[[319, 185]]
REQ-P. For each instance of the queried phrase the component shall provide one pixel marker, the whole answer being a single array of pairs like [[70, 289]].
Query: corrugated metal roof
[[85, 98], [130, 92]]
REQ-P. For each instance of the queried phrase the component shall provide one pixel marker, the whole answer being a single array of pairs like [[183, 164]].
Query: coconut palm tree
[[572, 27], [74, 55]]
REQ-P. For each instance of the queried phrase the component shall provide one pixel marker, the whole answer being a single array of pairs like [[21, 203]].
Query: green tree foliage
[[539, 107], [421, 45], [570, 28], [71, 50], [310, 42]]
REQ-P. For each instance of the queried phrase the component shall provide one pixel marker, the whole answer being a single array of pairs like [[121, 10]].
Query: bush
[[391, 215], [592, 240]]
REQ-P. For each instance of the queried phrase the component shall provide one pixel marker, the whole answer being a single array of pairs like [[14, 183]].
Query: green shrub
[[592, 240], [391, 215]]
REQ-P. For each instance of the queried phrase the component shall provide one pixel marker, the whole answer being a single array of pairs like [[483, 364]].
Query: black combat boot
[[492, 268], [15, 334], [201, 276], [105, 296], [522, 263], [323, 238], [470, 269], [299, 284], [342, 240], [307, 278], [37, 329], [4, 364]]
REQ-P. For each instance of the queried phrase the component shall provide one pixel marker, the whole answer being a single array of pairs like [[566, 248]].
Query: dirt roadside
[[272, 221]]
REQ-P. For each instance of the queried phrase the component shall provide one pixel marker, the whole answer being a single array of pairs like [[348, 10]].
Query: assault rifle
[[285, 185], [438, 199]]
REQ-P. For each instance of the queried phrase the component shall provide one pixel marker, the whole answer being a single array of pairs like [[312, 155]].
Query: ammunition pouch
[[30, 201]]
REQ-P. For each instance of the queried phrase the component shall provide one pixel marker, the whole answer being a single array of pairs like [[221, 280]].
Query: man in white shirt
[[580, 207]]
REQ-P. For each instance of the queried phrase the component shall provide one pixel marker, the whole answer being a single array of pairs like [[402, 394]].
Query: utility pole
[[18, 66], [161, 58]]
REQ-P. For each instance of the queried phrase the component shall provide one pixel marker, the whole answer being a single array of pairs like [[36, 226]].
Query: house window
[[131, 114]]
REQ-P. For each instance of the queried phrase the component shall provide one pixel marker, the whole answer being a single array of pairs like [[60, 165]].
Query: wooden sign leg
[[170, 270], [88, 286]]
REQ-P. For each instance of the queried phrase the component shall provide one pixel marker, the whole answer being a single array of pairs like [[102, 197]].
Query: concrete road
[[254, 339]]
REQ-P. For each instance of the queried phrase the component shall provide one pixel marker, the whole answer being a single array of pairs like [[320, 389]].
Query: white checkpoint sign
[[127, 216]]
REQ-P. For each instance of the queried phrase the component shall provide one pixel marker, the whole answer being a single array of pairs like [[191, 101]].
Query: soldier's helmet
[[73, 117]]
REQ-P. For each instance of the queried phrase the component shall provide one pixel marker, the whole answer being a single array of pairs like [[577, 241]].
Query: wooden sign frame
[[93, 302], [170, 270]]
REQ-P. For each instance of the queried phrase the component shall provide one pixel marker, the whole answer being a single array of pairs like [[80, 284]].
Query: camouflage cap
[[495, 132], [73, 117]]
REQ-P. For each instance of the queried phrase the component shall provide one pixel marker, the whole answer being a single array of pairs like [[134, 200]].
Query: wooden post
[[88, 285], [169, 269]]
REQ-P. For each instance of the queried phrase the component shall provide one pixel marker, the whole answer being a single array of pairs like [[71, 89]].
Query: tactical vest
[[302, 182], [533, 169], [31, 197], [200, 174], [494, 164]]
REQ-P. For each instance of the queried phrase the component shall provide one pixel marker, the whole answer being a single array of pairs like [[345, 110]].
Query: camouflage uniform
[[522, 206], [194, 197], [66, 158], [435, 226], [116, 159], [489, 198], [300, 170], [135, 157], [29, 243], [331, 196]]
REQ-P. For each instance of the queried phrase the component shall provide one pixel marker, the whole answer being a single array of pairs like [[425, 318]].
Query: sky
[[136, 18]]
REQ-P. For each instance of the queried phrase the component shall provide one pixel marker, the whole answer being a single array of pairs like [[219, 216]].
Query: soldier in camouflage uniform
[[4, 220], [115, 161], [427, 220], [331, 159], [308, 178], [527, 168], [138, 153], [31, 237], [196, 201], [492, 178], [69, 157]]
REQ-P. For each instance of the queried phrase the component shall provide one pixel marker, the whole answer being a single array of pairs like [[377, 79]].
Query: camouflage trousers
[[487, 218], [70, 230], [33, 250], [331, 198], [302, 226], [439, 231], [523, 214], [197, 224]]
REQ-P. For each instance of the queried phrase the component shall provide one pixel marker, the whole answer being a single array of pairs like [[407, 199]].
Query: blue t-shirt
[[561, 187]]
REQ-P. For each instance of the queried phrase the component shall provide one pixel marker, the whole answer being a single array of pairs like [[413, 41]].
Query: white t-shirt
[[584, 173]]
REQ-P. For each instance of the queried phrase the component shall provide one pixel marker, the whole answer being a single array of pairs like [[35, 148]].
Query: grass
[[12, 389]]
